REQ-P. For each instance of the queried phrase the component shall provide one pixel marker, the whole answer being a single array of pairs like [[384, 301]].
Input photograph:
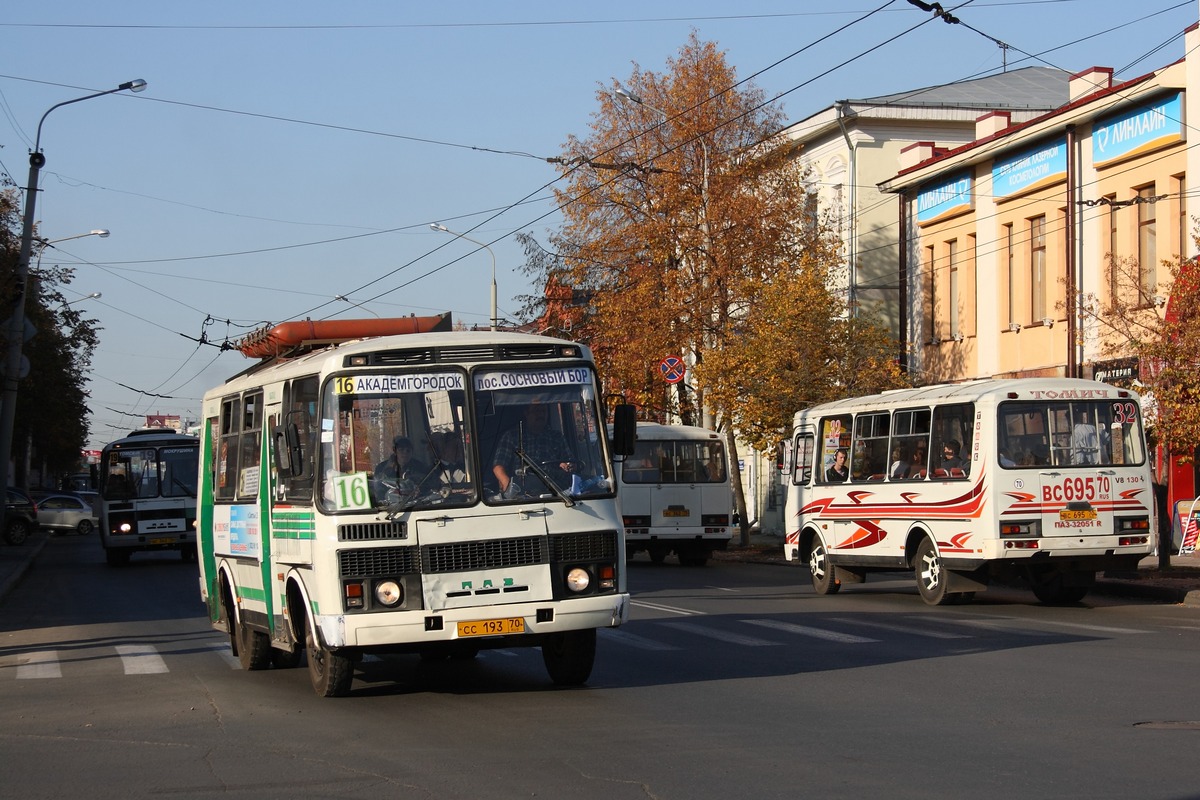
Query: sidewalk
[[1180, 584]]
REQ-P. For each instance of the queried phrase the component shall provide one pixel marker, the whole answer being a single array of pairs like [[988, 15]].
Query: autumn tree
[[50, 425], [682, 210], [1133, 321]]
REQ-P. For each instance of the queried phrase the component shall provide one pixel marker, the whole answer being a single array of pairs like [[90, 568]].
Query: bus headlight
[[125, 527], [578, 579], [389, 593]]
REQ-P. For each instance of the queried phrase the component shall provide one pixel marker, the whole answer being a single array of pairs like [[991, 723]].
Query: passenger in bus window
[[1085, 444], [541, 443], [899, 469], [950, 456], [714, 470], [837, 472], [400, 465], [1006, 460], [920, 460]]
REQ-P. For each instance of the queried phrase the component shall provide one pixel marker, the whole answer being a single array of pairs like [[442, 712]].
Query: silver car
[[64, 512]]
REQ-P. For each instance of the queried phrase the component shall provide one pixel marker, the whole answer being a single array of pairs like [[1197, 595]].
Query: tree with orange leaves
[[687, 231]]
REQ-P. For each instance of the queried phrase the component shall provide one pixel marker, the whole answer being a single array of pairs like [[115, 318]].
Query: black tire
[[1050, 588], [16, 532], [286, 659], [693, 557], [253, 647], [931, 577], [569, 656], [331, 674], [85, 527], [117, 557], [658, 554], [822, 571]]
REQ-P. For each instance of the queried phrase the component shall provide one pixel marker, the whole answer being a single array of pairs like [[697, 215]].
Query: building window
[[1147, 245], [952, 259], [1010, 257], [1037, 268]]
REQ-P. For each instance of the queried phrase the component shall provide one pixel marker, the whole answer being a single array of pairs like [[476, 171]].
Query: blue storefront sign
[[1142, 129], [1033, 169], [945, 199]]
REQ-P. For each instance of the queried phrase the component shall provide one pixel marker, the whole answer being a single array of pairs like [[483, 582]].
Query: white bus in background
[[313, 542], [147, 487], [675, 494], [1044, 479]]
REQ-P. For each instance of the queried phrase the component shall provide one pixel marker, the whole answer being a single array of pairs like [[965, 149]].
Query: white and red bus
[[1045, 479]]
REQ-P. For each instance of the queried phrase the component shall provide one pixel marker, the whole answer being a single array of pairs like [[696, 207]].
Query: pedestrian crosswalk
[[666, 630]]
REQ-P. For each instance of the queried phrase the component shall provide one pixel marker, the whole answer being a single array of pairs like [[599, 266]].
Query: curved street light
[[437, 226], [92, 296], [356, 305], [16, 322]]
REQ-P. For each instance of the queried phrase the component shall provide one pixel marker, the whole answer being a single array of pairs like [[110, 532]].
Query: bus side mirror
[[289, 457], [624, 429], [779, 457]]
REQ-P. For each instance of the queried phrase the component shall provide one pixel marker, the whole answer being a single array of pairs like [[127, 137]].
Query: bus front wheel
[[569, 656], [931, 576], [253, 647], [822, 571], [331, 674]]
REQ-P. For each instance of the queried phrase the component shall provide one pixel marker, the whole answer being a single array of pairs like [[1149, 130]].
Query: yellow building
[[1008, 238]]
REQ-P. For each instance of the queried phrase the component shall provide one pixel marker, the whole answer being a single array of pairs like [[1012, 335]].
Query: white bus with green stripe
[[386, 494]]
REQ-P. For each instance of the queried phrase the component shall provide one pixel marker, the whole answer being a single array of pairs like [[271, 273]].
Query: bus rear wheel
[[822, 571], [253, 647], [331, 674], [1052, 588], [569, 656], [931, 576]]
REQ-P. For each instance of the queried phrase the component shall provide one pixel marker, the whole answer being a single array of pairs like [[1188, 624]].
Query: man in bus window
[[898, 470], [1085, 444], [400, 466], [920, 460], [837, 472], [541, 443], [950, 456]]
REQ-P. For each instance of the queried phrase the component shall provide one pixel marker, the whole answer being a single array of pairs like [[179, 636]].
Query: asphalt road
[[731, 680]]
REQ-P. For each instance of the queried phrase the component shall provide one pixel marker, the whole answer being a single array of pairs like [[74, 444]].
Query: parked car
[[20, 516], [67, 512]]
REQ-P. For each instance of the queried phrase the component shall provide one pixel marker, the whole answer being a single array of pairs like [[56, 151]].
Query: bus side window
[[869, 451], [802, 466]]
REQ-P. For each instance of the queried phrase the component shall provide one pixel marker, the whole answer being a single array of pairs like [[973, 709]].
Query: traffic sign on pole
[[672, 368]]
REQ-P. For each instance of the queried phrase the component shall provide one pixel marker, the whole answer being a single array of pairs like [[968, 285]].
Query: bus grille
[[372, 531], [598, 546], [462, 556], [379, 561]]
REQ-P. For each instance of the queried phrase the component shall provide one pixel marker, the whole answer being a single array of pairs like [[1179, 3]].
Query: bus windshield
[[1070, 433], [144, 473], [540, 435], [682, 461], [395, 442]]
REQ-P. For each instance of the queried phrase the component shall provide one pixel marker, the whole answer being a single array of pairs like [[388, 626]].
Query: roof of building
[[1027, 88]]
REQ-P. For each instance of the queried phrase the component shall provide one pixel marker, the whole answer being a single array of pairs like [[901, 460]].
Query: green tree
[[51, 425]]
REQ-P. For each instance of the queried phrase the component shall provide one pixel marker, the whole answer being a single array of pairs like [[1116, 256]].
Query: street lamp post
[[16, 322], [92, 296], [437, 226]]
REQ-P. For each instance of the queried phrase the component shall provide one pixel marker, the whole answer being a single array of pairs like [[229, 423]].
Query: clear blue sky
[[288, 152]]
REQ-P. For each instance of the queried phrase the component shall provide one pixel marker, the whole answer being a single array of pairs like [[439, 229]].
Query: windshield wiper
[[545, 478]]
